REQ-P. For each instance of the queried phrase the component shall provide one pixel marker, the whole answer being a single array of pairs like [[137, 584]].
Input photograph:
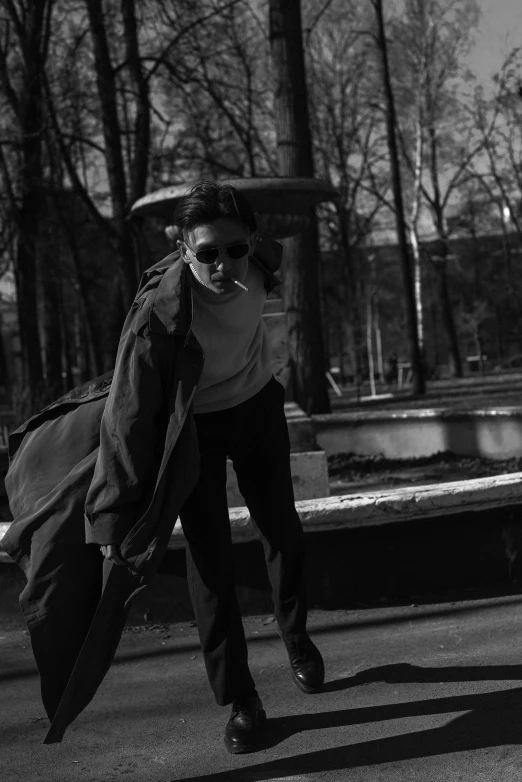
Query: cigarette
[[244, 287]]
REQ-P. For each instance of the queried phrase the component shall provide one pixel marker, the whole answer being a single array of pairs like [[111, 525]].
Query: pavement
[[430, 692]]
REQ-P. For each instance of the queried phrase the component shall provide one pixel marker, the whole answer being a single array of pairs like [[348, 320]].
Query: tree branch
[[200, 20], [100, 221]]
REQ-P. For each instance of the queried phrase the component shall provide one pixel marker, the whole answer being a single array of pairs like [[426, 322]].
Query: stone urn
[[281, 203]]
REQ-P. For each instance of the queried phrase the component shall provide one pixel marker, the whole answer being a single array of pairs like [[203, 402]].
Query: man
[[238, 409], [192, 385]]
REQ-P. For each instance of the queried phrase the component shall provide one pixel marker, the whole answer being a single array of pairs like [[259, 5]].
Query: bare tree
[[219, 83], [125, 185], [431, 37], [391, 124], [42, 324], [350, 146], [24, 47], [499, 120]]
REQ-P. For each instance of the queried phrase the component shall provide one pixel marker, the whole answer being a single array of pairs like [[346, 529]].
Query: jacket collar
[[171, 309]]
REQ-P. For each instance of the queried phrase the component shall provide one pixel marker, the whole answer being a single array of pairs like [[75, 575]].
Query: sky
[[500, 30]]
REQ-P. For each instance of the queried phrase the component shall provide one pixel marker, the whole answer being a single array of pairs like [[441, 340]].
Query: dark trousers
[[254, 435]]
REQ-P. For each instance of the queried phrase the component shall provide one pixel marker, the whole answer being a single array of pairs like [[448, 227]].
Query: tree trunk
[[340, 347], [435, 341], [301, 263], [369, 345], [52, 317], [305, 338], [438, 214], [91, 331], [448, 319], [378, 347], [5, 375], [140, 161], [414, 238], [417, 285], [86, 354], [350, 284], [508, 260], [325, 327], [68, 358], [447, 313], [419, 385], [106, 84], [34, 46]]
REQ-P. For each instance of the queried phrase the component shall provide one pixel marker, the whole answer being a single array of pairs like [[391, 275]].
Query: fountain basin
[[494, 433], [281, 203], [268, 195]]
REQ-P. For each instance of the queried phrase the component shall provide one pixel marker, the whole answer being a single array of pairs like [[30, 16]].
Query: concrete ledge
[[415, 414], [387, 507], [370, 509], [367, 550], [494, 433]]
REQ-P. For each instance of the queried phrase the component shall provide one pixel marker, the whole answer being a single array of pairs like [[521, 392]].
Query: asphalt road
[[416, 693]]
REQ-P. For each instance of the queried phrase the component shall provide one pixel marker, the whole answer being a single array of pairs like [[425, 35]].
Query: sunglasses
[[211, 254]]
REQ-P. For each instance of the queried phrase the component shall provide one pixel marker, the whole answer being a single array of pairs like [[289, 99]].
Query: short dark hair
[[208, 201]]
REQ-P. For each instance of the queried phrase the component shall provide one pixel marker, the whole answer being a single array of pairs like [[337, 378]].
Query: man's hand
[[113, 553]]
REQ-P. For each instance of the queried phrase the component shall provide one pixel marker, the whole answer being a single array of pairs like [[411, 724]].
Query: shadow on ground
[[492, 719], [12, 670]]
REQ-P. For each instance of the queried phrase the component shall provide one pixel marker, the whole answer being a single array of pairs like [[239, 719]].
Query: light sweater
[[235, 341]]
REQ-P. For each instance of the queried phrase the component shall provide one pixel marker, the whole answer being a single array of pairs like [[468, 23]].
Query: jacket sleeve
[[131, 435]]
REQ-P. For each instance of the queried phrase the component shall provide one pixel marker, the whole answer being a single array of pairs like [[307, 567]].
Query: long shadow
[[402, 673], [492, 719], [327, 629]]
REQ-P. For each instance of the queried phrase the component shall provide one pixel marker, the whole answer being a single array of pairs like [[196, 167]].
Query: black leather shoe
[[242, 730], [306, 663]]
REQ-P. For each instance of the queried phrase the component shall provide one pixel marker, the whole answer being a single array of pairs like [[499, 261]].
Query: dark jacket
[[93, 467]]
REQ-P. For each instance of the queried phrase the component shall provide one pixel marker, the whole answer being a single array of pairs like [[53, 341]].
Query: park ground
[[472, 391], [431, 693], [428, 692]]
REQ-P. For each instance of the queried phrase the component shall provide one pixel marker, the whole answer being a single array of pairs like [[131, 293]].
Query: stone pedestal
[[307, 460]]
